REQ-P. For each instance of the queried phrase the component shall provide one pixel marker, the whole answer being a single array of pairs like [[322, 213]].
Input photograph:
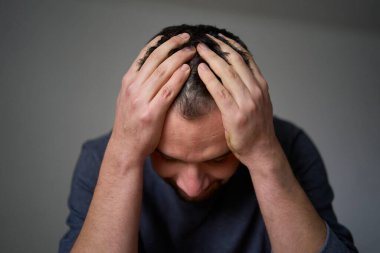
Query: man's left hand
[[242, 97]]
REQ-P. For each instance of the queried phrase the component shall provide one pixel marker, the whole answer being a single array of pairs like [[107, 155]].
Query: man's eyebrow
[[165, 155], [173, 158], [222, 156]]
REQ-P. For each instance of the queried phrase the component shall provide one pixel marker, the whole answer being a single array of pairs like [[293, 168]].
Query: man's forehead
[[176, 122], [195, 138]]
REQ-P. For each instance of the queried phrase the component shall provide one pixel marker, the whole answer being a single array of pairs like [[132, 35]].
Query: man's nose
[[192, 180]]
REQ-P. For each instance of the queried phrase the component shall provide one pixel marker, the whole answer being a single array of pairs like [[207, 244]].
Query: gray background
[[60, 68]]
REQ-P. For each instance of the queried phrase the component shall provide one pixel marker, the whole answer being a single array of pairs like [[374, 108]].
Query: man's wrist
[[267, 157], [270, 170], [120, 157]]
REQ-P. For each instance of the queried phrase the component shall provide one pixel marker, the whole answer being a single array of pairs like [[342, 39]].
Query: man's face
[[193, 155]]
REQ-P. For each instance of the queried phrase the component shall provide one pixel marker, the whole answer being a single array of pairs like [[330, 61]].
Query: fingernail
[[221, 35], [203, 66], [202, 46], [185, 67], [188, 49], [209, 35], [184, 36]]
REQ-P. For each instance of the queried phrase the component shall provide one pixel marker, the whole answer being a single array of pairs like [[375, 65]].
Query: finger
[[133, 69], [230, 78], [136, 63], [252, 62], [220, 94], [165, 70], [238, 63], [166, 95], [160, 54]]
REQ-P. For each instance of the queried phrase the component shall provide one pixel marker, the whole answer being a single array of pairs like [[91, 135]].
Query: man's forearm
[[145, 96], [292, 222], [113, 217], [242, 96]]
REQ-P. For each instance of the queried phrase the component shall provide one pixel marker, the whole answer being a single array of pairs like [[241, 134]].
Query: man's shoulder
[[291, 137], [88, 164], [97, 145], [285, 130]]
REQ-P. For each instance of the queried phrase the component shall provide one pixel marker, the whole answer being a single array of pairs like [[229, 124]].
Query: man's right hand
[[143, 101], [145, 97]]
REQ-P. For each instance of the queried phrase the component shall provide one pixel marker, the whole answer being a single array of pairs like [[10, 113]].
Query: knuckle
[[232, 74], [251, 109], [128, 92], [146, 117], [236, 57], [258, 96], [251, 60], [166, 92], [212, 56], [128, 78], [265, 85], [160, 72], [154, 56], [125, 78], [242, 119], [134, 104], [222, 94]]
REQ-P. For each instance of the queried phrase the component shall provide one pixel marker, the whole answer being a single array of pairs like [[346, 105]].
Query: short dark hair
[[194, 100]]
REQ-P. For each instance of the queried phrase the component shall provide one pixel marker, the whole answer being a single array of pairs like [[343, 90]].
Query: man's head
[[193, 155], [194, 100]]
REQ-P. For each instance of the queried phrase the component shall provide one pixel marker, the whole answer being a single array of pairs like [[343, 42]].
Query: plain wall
[[61, 63]]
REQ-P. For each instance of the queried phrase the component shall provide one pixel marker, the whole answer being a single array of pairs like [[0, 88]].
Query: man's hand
[[146, 95], [143, 101], [242, 97]]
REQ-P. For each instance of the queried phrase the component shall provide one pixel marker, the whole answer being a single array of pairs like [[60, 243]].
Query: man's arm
[[113, 217], [242, 96]]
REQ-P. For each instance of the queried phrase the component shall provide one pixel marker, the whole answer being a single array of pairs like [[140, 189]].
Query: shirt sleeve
[[311, 173], [82, 189], [333, 244]]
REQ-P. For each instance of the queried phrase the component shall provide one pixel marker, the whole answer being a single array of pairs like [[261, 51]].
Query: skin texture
[[112, 221], [193, 156], [242, 97], [239, 129]]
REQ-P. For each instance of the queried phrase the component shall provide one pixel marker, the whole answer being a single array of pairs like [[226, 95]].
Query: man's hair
[[194, 100]]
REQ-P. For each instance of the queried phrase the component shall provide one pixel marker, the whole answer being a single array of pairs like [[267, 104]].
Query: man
[[197, 163]]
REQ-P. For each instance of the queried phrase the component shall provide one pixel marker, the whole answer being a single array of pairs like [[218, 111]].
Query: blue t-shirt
[[229, 221]]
